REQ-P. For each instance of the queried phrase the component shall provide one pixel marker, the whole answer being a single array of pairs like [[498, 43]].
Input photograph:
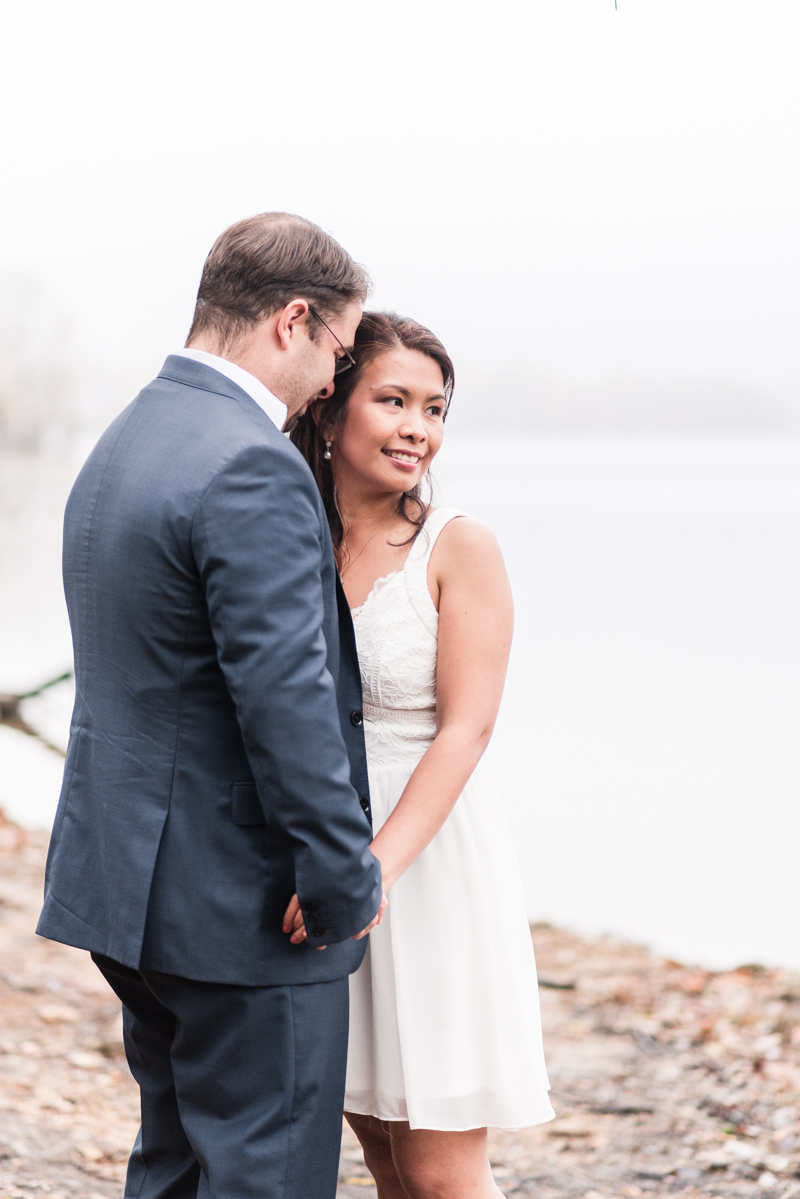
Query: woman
[[445, 1035]]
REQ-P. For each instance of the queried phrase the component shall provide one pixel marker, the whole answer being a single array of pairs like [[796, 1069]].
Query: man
[[209, 769]]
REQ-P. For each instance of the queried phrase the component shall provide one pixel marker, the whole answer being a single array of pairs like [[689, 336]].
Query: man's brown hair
[[259, 265]]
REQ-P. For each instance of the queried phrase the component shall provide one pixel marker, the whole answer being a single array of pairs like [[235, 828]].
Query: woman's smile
[[407, 460]]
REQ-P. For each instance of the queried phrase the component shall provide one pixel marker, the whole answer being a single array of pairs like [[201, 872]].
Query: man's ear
[[291, 320]]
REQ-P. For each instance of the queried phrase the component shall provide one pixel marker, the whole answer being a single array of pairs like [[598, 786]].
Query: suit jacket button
[[318, 930], [364, 803], [357, 718]]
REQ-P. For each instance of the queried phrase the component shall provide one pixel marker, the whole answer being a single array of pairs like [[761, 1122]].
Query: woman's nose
[[413, 429]]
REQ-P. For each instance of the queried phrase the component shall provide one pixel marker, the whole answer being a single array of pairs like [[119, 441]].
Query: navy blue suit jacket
[[216, 761]]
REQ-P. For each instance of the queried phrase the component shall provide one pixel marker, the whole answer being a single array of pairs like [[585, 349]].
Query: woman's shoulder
[[463, 541]]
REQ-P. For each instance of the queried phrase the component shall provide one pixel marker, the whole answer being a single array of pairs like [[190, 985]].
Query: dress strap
[[416, 567]]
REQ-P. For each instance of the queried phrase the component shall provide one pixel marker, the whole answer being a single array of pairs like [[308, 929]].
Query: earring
[[327, 453]]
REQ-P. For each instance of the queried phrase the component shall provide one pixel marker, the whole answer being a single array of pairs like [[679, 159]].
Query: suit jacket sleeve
[[259, 541]]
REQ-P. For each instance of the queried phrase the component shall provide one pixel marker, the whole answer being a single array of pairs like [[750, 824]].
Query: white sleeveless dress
[[445, 1029]]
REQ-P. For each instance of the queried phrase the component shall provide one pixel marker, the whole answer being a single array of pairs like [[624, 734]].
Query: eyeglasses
[[342, 364]]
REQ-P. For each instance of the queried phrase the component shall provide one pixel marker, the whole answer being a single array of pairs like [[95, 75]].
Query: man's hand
[[294, 923], [376, 921]]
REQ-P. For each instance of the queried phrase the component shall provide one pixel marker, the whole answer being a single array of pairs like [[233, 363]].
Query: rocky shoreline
[[666, 1079]]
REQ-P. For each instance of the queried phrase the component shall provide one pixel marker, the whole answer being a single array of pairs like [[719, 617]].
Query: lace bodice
[[397, 630]]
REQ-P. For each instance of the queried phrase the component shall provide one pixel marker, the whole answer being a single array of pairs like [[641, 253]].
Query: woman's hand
[[294, 923], [375, 922]]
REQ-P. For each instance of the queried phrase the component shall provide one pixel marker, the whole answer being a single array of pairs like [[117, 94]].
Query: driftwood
[[11, 715]]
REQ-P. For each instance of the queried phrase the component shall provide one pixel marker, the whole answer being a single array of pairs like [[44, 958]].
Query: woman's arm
[[475, 626]]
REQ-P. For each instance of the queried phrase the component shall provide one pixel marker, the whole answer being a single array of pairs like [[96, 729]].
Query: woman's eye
[[434, 410], [393, 400]]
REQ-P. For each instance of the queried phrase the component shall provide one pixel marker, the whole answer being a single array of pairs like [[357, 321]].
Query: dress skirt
[[445, 1029]]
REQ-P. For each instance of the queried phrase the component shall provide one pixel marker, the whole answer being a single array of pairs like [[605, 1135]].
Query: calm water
[[647, 750]]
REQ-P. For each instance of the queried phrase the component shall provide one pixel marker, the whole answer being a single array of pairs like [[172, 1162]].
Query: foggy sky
[[550, 184]]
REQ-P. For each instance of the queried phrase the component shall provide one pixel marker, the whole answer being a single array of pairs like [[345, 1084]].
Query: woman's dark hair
[[378, 333]]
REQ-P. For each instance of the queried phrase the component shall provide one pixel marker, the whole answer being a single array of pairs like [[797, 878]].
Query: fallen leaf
[[89, 1151], [569, 1126], [86, 1061], [51, 1099], [53, 1013]]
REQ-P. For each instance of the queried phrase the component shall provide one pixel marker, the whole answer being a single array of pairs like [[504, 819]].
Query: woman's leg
[[443, 1165], [377, 1145], [423, 1164]]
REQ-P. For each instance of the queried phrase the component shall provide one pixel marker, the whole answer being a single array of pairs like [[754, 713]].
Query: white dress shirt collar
[[274, 408]]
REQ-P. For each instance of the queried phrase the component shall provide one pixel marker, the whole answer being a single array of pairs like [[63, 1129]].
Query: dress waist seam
[[375, 713]]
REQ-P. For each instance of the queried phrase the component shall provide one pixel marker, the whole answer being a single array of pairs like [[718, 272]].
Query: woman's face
[[394, 423]]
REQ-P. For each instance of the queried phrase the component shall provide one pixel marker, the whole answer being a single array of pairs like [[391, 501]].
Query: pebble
[[54, 1013]]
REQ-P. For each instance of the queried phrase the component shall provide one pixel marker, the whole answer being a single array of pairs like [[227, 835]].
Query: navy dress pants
[[242, 1087]]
